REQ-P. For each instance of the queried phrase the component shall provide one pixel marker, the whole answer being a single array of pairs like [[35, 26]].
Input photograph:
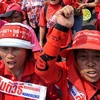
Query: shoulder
[[37, 80], [62, 65]]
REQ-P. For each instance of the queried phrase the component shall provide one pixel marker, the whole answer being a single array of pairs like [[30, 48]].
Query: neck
[[18, 73]]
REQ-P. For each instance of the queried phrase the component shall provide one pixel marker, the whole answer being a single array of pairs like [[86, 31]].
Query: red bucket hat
[[16, 35], [85, 39]]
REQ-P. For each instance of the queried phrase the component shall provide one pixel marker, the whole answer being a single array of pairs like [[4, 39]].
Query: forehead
[[87, 51], [16, 13]]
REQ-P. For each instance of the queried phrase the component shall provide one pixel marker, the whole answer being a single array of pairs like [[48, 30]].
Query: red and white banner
[[27, 90]]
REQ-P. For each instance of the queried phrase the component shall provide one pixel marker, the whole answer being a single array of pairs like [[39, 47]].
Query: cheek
[[82, 71], [2, 54], [22, 55], [81, 66], [20, 58]]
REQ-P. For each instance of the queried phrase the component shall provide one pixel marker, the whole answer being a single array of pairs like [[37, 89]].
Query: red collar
[[29, 69]]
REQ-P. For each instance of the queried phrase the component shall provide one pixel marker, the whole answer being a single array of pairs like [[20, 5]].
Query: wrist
[[61, 27], [86, 4]]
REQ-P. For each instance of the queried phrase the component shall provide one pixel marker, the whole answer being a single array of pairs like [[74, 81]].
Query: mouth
[[91, 74], [11, 64]]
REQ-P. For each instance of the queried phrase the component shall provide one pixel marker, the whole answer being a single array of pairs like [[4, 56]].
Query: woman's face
[[14, 58], [89, 64], [16, 17]]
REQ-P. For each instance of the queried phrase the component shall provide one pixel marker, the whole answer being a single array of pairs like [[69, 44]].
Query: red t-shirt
[[97, 8], [71, 2], [51, 10]]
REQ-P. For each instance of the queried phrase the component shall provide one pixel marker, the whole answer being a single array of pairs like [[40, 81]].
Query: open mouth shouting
[[11, 64]]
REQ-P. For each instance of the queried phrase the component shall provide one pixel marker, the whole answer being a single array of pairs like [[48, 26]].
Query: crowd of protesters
[[35, 36]]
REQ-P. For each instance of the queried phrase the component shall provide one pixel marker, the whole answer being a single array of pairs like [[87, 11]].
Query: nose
[[10, 53], [90, 62]]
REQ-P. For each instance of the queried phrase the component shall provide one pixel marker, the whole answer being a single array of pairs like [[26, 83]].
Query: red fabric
[[85, 40], [71, 2], [13, 30], [36, 54], [62, 70], [3, 7], [97, 8], [14, 1], [2, 22], [27, 76], [13, 6], [51, 10], [97, 24]]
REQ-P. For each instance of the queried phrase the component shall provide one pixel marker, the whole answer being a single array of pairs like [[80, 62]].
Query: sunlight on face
[[14, 58], [89, 64]]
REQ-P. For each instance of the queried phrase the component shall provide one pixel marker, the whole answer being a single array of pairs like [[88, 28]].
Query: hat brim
[[9, 42], [7, 14], [89, 46]]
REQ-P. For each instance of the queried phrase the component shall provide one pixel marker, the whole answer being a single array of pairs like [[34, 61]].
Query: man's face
[[12, 57], [16, 17], [88, 62]]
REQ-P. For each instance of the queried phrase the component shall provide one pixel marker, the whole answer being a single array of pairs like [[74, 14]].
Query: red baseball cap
[[85, 39], [11, 9]]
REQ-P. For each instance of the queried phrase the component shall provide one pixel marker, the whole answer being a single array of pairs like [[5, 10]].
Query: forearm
[[42, 34], [46, 64], [93, 4]]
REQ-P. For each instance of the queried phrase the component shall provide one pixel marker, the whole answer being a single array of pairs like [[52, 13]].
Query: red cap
[[85, 39], [11, 9], [13, 6]]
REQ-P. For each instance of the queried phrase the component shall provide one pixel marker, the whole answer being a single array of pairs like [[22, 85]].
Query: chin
[[92, 80], [53, 3]]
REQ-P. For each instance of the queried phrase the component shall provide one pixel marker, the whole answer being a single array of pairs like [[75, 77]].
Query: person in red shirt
[[14, 13], [79, 76], [18, 81], [47, 18], [97, 22]]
